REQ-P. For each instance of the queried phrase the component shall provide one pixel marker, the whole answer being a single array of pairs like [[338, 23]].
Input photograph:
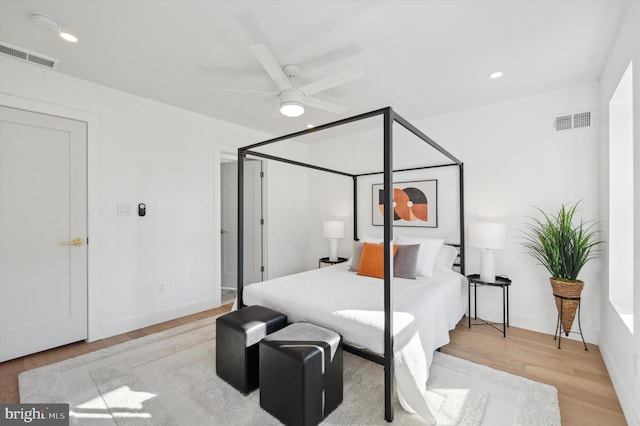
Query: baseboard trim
[[125, 325], [629, 407], [546, 325]]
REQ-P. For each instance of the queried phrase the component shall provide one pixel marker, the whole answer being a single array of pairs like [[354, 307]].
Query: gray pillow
[[357, 254], [405, 261]]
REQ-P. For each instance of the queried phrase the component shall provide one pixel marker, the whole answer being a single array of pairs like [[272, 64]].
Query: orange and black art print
[[414, 203]]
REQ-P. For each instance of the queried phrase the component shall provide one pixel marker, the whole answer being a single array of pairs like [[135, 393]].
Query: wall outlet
[[162, 287]]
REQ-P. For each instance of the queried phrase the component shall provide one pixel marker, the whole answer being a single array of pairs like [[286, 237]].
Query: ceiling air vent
[[28, 56], [577, 120]]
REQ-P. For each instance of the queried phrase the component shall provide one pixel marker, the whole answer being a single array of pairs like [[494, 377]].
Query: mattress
[[425, 310], [353, 305]]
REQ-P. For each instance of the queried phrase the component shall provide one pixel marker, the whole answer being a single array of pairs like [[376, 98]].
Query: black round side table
[[500, 281], [331, 262]]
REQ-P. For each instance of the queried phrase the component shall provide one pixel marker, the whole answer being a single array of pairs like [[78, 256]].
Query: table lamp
[[333, 230], [487, 237]]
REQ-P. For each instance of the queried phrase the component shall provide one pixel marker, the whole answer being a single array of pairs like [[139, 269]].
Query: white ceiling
[[420, 57]]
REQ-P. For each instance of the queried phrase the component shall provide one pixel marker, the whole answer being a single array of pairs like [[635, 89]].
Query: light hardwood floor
[[585, 391], [9, 370]]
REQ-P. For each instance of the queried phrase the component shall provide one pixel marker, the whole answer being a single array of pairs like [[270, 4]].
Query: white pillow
[[445, 259], [375, 240], [370, 239], [429, 248]]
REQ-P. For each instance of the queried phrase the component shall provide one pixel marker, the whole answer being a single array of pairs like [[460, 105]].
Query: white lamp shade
[[333, 229], [487, 235]]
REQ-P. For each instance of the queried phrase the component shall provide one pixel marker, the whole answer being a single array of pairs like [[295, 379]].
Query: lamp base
[[487, 266], [333, 249]]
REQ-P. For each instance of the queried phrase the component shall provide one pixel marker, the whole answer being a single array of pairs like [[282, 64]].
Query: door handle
[[74, 242], [222, 231]]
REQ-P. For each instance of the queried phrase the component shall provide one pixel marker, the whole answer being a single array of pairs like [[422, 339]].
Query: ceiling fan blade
[[332, 81], [327, 106], [271, 65]]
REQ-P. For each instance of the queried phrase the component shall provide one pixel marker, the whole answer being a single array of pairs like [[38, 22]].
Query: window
[[621, 198]]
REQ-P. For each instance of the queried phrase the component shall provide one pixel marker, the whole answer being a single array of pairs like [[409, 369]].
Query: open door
[[254, 223]]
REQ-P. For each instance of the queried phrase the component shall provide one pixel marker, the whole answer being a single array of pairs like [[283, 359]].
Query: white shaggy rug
[[169, 378]]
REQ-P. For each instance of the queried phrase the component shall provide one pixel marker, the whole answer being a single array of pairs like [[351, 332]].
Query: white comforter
[[353, 306]]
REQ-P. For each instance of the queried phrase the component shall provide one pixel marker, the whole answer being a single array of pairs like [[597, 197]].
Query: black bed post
[[241, 157], [355, 208], [462, 245], [389, 385]]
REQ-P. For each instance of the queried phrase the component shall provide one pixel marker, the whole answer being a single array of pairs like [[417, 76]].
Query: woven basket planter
[[567, 308]]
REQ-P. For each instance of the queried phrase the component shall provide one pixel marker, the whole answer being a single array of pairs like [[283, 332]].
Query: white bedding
[[425, 309]]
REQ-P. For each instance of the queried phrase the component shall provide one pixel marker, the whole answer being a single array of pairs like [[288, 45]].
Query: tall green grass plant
[[560, 246]]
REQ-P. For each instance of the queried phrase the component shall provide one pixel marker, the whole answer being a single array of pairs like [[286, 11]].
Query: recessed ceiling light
[[496, 74], [69, 37], [309, 126]]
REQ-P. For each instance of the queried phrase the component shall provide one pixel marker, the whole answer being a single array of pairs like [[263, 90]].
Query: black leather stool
[[301, 373], [237, 336]]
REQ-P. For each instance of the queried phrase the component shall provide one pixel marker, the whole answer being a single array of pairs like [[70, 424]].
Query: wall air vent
[[562, 122], [582, 119], [27, 55]]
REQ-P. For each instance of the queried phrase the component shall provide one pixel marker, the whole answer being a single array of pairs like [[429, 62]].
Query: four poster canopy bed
[[397, 322]]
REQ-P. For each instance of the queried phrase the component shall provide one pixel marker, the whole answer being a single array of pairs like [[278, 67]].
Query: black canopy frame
[[389, 117]]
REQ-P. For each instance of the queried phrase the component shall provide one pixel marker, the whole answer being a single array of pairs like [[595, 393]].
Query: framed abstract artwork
[[415, 203]]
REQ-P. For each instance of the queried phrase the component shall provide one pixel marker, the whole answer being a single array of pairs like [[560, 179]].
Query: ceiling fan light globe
[[291, 109]]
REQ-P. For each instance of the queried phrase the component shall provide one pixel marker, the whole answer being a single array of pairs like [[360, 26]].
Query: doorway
[[43, 232], [253, 225]]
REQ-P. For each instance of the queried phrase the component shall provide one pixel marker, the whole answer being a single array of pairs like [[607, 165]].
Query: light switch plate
[[124, 209]]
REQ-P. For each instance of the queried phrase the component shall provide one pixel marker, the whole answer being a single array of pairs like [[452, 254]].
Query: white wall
[[448, 209], [331, 197], [287, 204], [139, 151], [617, 344], [362, 152], [513, 162]]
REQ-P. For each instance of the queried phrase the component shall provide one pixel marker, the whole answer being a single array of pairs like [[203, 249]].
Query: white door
[[252, 223], [43, 208]]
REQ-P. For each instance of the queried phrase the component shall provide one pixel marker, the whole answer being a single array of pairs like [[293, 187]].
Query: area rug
[[169, 378]]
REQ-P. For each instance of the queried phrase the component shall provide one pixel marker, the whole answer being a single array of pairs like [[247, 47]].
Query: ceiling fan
[[293, 99]]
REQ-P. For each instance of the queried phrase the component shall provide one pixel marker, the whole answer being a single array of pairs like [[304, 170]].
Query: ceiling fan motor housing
[[291, 95], [291, 102]]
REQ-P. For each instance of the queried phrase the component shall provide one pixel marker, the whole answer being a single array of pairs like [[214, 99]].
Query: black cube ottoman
[[237, 336], [301, 373]]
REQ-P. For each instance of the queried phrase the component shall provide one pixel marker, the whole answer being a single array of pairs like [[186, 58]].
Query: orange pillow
[[372, 260]]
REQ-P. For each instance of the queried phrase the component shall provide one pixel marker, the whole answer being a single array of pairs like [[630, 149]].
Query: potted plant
[[563, 248]]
